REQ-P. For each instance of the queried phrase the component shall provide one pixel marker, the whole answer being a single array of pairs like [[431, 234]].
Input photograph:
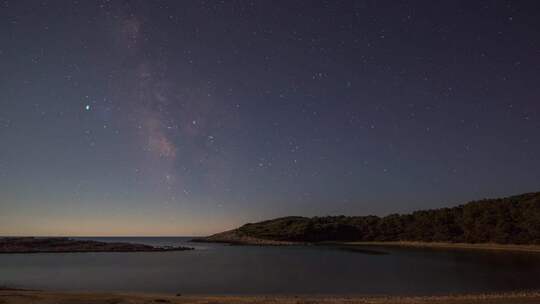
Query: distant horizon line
[[205, 235], [103, 236]]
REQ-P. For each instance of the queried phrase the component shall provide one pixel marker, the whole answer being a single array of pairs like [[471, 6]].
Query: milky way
[[171, 118]]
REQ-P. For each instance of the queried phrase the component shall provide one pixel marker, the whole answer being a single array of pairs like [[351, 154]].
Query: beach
[[8, 296]]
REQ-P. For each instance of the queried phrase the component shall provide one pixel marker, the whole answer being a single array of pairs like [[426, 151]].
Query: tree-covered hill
[[511, 220]]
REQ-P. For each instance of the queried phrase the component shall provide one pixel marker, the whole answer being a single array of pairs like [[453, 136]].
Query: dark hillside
[[511, 220]]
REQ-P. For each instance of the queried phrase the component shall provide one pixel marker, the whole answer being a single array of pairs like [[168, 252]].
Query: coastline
[[30, 296], [442, 245], [34, 245], [233, 237]]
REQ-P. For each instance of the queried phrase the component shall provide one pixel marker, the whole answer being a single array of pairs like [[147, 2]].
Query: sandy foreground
[[26, 297]]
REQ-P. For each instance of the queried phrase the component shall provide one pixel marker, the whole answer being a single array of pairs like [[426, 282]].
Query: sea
[[223, 269]]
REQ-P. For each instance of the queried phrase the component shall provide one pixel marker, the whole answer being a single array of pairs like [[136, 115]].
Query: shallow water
[[223, 269]]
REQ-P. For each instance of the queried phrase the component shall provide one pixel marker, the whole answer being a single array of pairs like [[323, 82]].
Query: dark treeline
[[512, 220]]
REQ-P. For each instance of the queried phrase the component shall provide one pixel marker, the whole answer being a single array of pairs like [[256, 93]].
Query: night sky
[[191, 117]]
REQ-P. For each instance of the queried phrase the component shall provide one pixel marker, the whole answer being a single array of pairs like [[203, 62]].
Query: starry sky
[[191, 117]]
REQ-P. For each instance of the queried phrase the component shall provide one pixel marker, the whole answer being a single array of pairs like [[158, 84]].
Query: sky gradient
[[191, 117]]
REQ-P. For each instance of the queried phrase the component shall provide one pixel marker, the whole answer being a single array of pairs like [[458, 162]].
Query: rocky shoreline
[[65, 245]]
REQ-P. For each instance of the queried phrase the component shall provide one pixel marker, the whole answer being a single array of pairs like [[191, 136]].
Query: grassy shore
[[27, 297]]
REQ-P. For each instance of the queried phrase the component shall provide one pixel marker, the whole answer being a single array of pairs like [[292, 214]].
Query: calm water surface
[[222, 269]]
